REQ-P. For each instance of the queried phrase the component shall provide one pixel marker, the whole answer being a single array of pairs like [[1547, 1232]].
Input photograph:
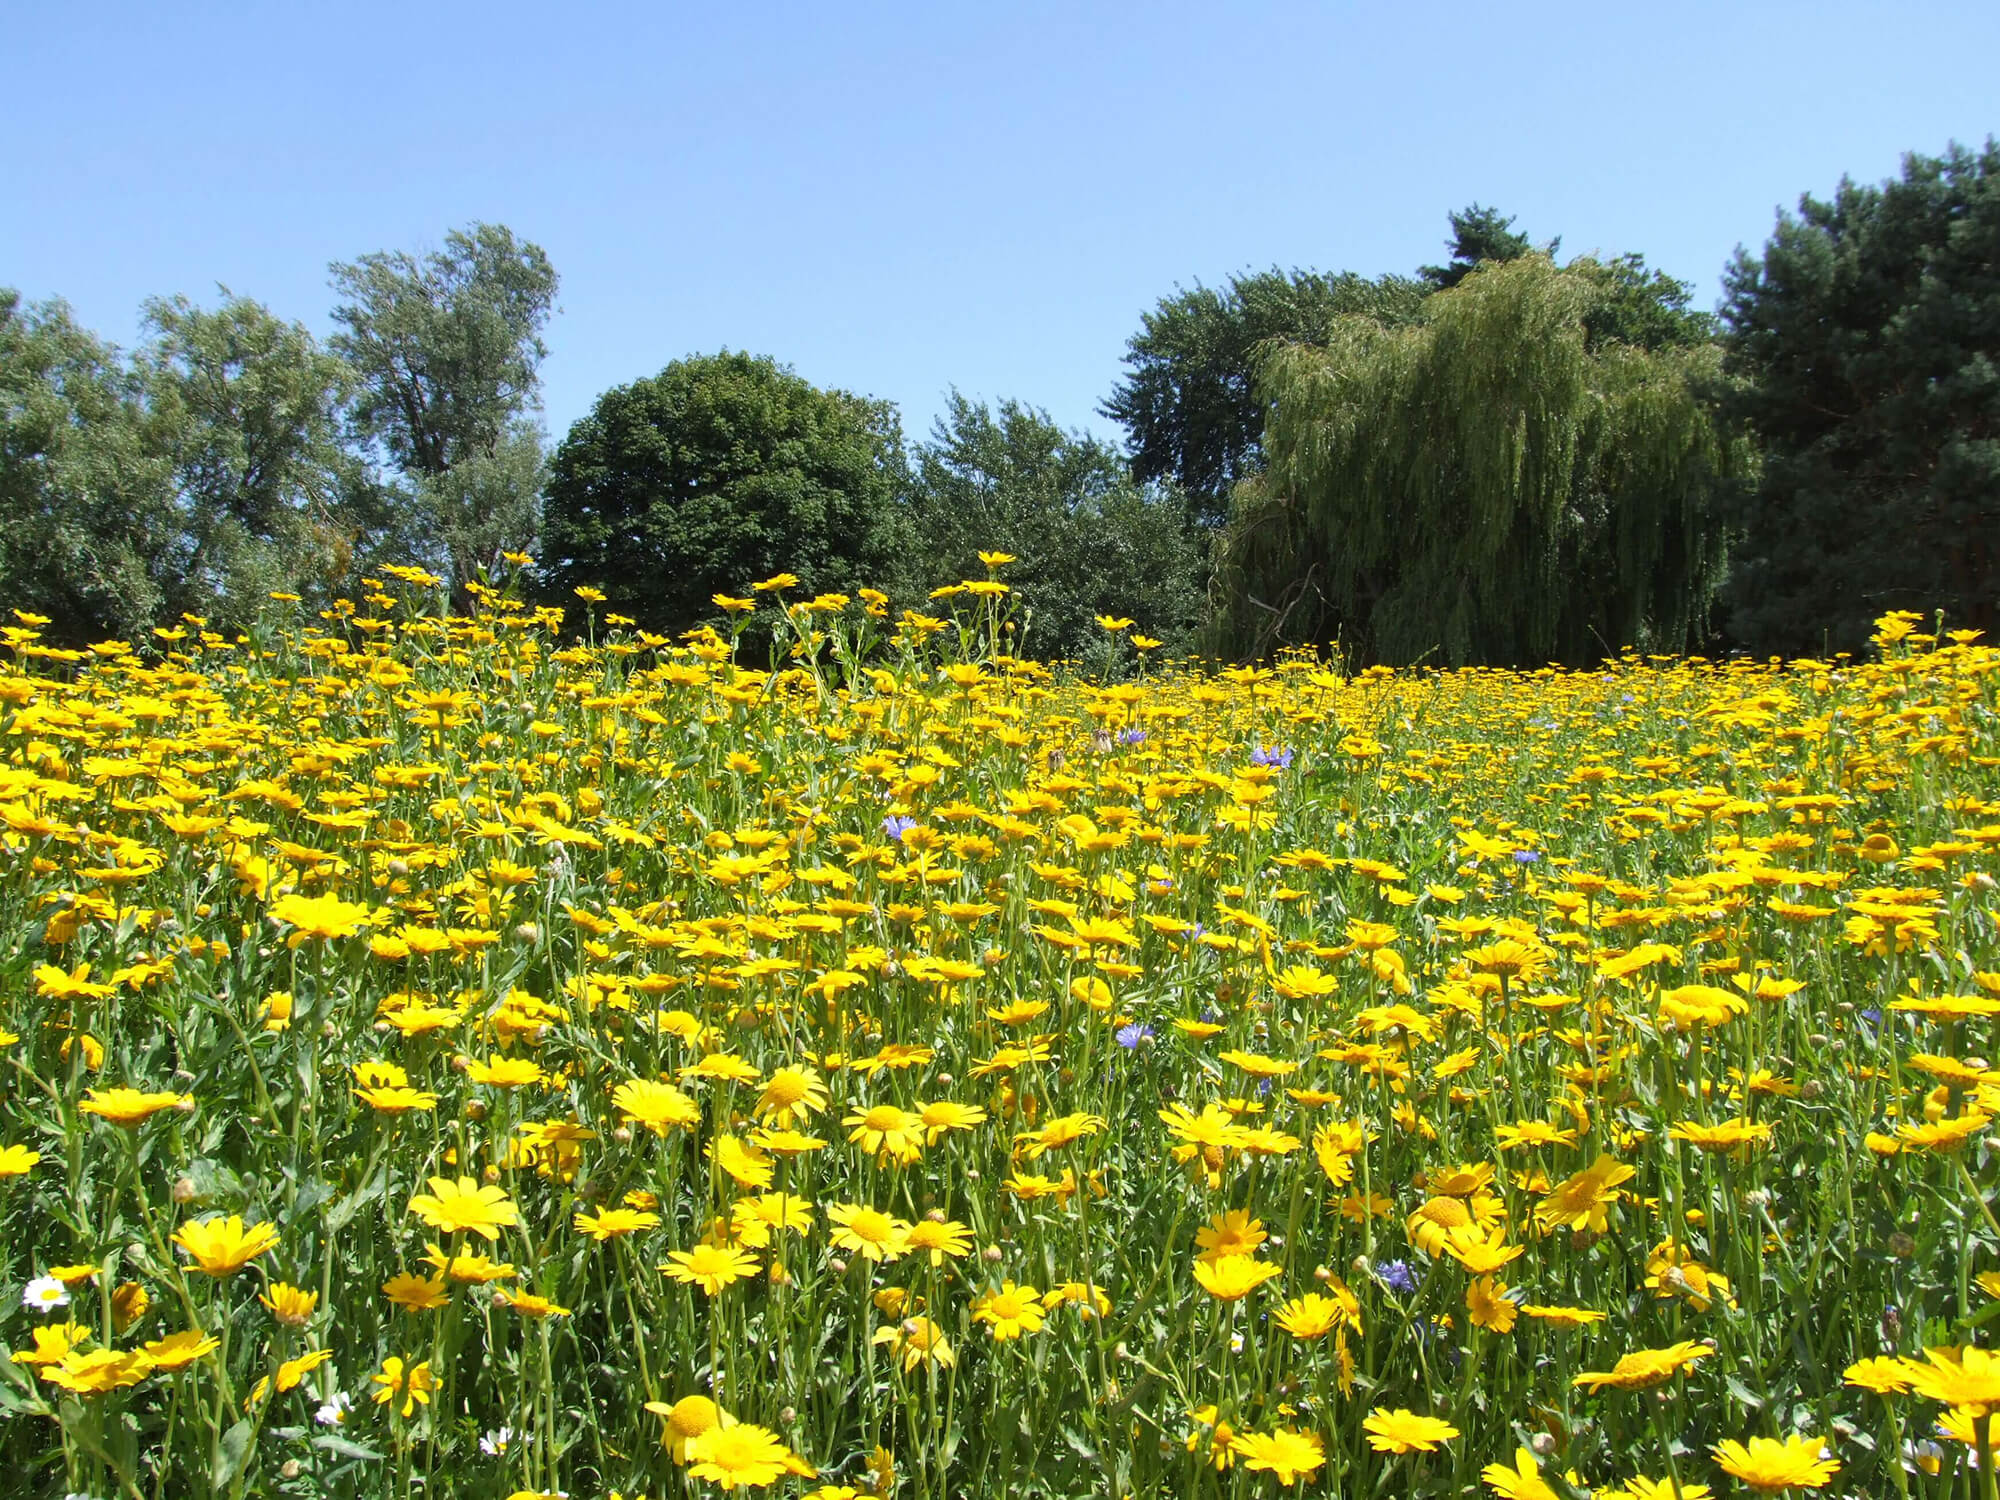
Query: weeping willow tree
[[1490, 484]]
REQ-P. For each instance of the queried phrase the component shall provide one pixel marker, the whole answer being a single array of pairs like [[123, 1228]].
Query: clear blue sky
[[896, 199]]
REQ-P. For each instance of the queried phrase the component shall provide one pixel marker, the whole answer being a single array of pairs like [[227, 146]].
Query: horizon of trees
[[1504, 458]]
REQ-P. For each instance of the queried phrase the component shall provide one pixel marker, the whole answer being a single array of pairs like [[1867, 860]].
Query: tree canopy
[[1479, 235], [1866, 339], [719, 471], [1482, 485], [1188, 399], [248, 410], [86, 517], [446, 351], [1087, 540]]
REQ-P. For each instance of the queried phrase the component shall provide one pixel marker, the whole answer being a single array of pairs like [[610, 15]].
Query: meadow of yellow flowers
[[506, 1056]]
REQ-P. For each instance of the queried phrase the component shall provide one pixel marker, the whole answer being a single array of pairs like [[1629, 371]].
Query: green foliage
[[85, 513], [1188, 400], [1867, 336], [1482, 486], [1647, 309], [1479, 235], [719, 471], [1087, 540], [248, 409], [446, 351]]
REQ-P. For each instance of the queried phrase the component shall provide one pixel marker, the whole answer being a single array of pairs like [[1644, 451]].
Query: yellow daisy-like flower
[[289, 1304], [1768, 1465], [710, 1267], [465, 1206], [1404, 1431], [1234, 1277], [1645, 1367], [610, 1223], [1286, 1455], [1522, 1482], [129, 1107], [868, 1232], [1009, 1312], [17, 1160], [222, 1247], [413, 1384]]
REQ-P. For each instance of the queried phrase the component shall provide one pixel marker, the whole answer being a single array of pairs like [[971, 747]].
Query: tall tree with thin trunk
[[448, 348]]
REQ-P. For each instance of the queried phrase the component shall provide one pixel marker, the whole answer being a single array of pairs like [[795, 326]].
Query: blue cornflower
[[896, 826], [1131, 1034], [1396, 1276], [1281, 757]]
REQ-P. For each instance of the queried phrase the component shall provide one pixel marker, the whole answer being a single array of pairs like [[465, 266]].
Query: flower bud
[[184, 1190]]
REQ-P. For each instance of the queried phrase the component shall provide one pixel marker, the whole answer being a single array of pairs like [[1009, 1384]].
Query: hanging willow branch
[[1481, 485]]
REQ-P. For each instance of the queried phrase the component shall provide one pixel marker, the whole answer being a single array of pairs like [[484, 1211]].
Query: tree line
[[1507, 458]]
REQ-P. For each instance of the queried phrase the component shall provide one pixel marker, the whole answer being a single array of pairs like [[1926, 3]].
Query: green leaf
[[342, 1448], [233, 1454], [1742, 1393]]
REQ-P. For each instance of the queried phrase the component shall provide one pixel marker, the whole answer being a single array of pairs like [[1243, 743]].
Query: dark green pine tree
[[1479, 235], [1866, 342]]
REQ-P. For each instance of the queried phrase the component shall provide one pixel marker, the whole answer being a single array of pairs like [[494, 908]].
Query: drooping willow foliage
[[1481, 486]]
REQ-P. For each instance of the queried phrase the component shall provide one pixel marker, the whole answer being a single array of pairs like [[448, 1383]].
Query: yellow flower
[[1404, 1431], [1009, 1312], [790, 1094], [710, 1267], [52, 1342], [128, 1107], [1287, 1455], [414, 1385], [222, 1247], [1312, 1316], [1768, 1465], [742, 1455], [294, 1371], [1645, 1367], [868, 1232], [506, 1072], [938, 1238], [528, 1304], [324, 917], [99, 1371], [288, 1304], [1234, 1277], [1487, 1302], [685, 1421], [1522, 1482], [1967, 1377], [1580, 1201], [659, 1107], [16, 1160], [919, 1341], [610, 1223], [417, 1293], [465, 1207]]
